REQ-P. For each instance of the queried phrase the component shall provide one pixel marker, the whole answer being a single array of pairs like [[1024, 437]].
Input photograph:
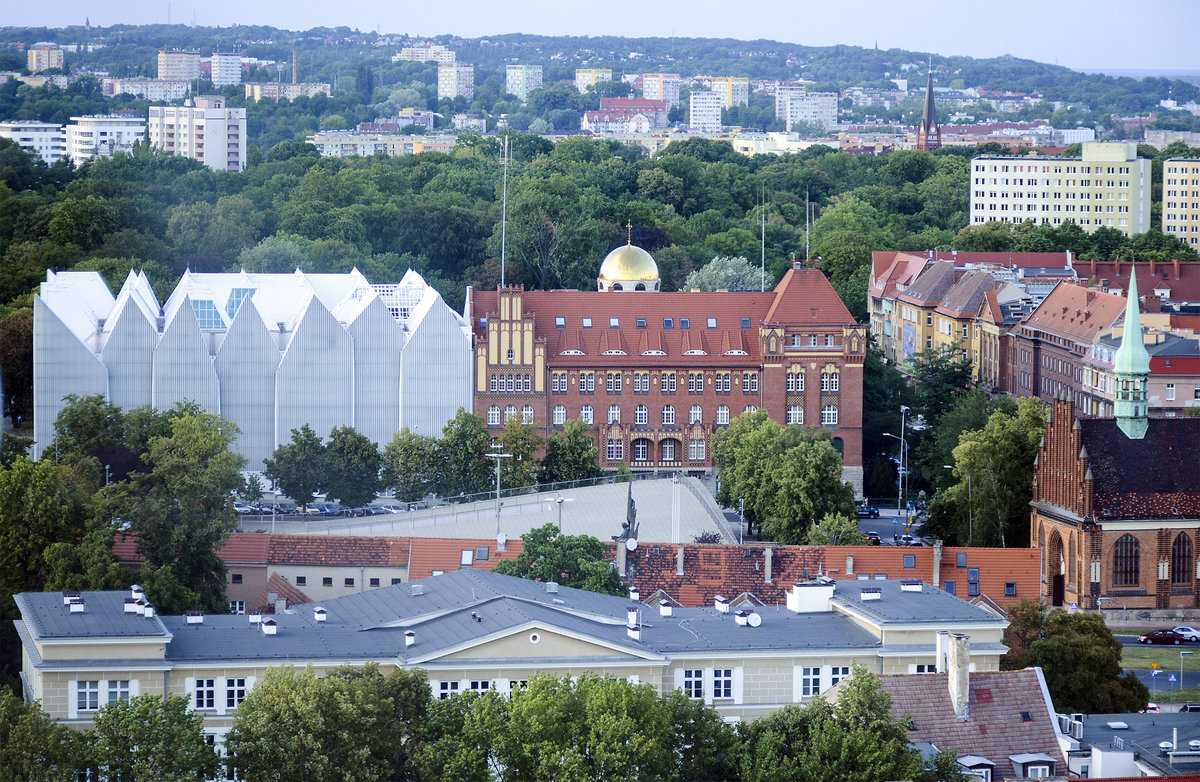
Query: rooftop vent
[[721, 604], [910, 585], [417, 589], [742, 617], [410, 638], [635, 594], [76, 605], [69, 596], [631, 616], [634, 632], [194, 617], [871, 593], [552, 587], [148, 611], [254, 617], [320, 614], [269, 627], [131, 606], [137, 592], [556, 601], [665, 608]]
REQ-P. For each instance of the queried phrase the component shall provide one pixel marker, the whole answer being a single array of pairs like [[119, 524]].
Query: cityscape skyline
[[1100, 40]]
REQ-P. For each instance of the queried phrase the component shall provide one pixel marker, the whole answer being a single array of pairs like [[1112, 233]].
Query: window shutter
[[72, 699], [189, 687], [737, 685], [679, 678]]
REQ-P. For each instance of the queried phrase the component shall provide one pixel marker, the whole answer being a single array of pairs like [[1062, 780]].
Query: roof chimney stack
[[320, 614], [76, 605], [269, 627], [635, 594], [410, 638], [721, 604], [959, 673], [665, 608], [194, 617]]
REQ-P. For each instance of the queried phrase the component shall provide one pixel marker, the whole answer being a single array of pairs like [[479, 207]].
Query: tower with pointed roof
[[1131, 368], [929, 135]]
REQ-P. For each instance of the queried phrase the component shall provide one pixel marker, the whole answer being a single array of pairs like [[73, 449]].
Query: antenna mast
[[807, 212], [762, 218], [504, 211]]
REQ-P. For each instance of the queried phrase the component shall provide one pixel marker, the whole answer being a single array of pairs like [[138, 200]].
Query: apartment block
[[704, 113], [178, 65], [270, 90], [44, 57], [92, 136], [588, 77], [794, 103], [43, 139], [520, 80], [226, 69], [662, 86], [1181, 199], [734, 90], [456, 79], [150, 89], [425, 53], [1109, 186], [208, 132]]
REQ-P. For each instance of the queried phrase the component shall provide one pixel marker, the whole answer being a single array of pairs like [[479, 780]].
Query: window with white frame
[[235, 692], [668, 415], [480, 685], [696, 450], [750, 409], [493, 415], [795, 382], [614, 414], [795, 415], [510, 412], [118, 690], [750, 383], [668, 450], [587, 415], [527, 414], [829, 381], [1170, 392], [723, 415], [237, 607], [87, 695], [560, 415], [693, 683], [641, 450], [829, 415], [615, 450], [695, 414], [837, 673], [613, 382], [722, 684], [641, 415], [667, 383], [810, 681], [206, 694], [447, 689]]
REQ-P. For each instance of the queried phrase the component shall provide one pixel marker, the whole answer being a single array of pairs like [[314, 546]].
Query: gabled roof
[[805, 296], [995, 727], [894, 271], [335, 550], [1075, 313], [964, 297], [1166, 482], [932, 286], [282, 589]]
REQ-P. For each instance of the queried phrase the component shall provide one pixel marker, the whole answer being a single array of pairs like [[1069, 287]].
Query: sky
[[1092, 35]]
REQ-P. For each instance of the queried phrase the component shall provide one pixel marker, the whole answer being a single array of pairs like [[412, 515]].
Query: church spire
[[1131, 368], [929, 135]]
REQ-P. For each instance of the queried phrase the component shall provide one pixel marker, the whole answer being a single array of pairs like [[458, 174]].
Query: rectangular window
[[685, 323], [693, 683], [397, 581], [587, 323], [87, 695], [810, 682], [910, 560], [327, 581], [560, 322], [480, 685], [924, 668], [1010, 589], [301, 581], [972, 589], [349, 582], [668, 323], [615, 450], [374, 582], [641, 323], [614, 323], [237, 607], [235, 578], [447, 689], [837, 673], [235, 692], [961, 559], [696, 450], [1170, 392], [206, 694], [950, 588], [723, 684], [745, 323], [118, 690], [973, 575], [711, 323]]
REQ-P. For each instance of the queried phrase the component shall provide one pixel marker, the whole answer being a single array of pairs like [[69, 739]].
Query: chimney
[[148, 611], [76, 605], [272, 597], [849, 564], [767, 556], [621, 559], [635, 594], [320, 614], [281, 605], [631, 616], [959, 673], [69, 596], [410, 638], [194, 617], [937, 563], [137, 592], [552, 587], [254, 617], [742, 617], [417, 589], [679, 560], [131, 606], [810, 598], [665, 608], [870, 593], [721, 604], [634, 632], [910, 585], [269, 627], [940, 649]]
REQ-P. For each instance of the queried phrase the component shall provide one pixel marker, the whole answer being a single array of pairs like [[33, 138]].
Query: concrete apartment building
[[178, 65], [226, 68], [1109, 185], [734, 90], [92, 136], [588, 77], [662, 86], [520, 80], [1181, 199], [44, 57], [455, 80], [150, 89], [270, 90], [207, 131], [794, 103], [46, 140], [704, 111], [429, 52]]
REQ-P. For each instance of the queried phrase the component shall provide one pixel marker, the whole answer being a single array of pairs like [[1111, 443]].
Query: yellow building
[[44, 57], [588, 77], [734, 90], [1181, 199], [178, 65]]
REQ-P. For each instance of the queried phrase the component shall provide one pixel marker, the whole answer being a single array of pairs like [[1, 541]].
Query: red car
[[1161, 637]]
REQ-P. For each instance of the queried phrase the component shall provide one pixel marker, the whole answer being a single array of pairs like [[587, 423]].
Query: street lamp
[[1181, 656], [970, 507], [498, 457], [560, 500], [742, 519]]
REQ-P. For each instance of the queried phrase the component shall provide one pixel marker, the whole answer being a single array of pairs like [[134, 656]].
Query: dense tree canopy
[[571, 560]]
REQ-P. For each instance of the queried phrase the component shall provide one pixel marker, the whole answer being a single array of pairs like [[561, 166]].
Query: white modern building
[[1108, 186], [794, 103], [208, 132], [704, 112], [520, 80], [44, 139], [150, 89], [178, 65], [270, 352], [455, 79], [662, 86], [226, 69], [104, 135], [429, 52], [1181, 199]]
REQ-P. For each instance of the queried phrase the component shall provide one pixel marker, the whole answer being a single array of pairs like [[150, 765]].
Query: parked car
[[1189, 633], [243, 509], [1190, 707], [1161, 637], [867, 512]]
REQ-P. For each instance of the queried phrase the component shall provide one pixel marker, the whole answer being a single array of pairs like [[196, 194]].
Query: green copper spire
[[1131, 367]]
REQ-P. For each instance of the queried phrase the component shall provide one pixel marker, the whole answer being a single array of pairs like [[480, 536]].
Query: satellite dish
[[754, 620], [501, 539], [631, 544]]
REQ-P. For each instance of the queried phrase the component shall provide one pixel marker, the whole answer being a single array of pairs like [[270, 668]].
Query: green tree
[[939, 374], [33, 747], [410, 465], [151, 739], [462, 464], [352, 467], [40, 504], [522, 442], [180, 507], [571, 560], [571, 454], [725, 273], [16, 363], [704, 745], [834, 530], [461, 738], [299, 466]]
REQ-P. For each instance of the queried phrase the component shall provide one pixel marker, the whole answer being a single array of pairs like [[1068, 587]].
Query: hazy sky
[[1150, 34]]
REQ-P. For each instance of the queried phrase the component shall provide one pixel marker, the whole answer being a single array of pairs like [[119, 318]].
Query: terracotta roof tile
[[805, 296], [445, 554], [284, 589], [336, 550], [1076, 313]]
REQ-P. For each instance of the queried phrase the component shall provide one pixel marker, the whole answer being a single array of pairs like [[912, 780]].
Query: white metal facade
[[270, 352]]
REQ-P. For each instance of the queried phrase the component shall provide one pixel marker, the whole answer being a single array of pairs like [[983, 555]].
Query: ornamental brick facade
[[658, 374]]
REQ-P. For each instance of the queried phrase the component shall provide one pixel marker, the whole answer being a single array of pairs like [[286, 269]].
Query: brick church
[[1116, 501], [657, 374]]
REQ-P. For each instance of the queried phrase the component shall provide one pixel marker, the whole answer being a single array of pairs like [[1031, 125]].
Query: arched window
[[560, 415], [1181, 559], [527, 414], [668, 417], [641, 415], [696, 415], [723, 415], [829, 415], [509, 412], [750, 409], [587, 415], [1125, 561], [614, 414], [493, 415]]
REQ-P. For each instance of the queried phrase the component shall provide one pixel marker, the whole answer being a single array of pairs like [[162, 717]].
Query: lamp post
[[742, 518], [498, 456], [1181, 656], [560, 500], [970, 507], [274, 505]]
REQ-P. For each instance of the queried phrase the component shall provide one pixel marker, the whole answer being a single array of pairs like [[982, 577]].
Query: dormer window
[[560, 322], [587, 323], [685, 323], [711, 323]]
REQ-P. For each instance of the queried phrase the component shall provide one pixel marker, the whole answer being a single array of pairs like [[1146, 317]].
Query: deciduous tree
[[151, 738], [410, 464], [725, 273], [33, 747], [298, 466], [464, 469], [571, 560], [352, 466], [571, 454]]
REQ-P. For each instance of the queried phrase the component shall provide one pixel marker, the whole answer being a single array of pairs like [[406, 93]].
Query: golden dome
[[629, 263]]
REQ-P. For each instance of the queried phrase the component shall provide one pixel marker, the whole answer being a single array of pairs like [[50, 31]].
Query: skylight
[[614, 323], [685, 323], [641, 323], [745, 323], [236, 297], [711, 323], [587, 323], [668, 323], [560, 322], [207, 314]]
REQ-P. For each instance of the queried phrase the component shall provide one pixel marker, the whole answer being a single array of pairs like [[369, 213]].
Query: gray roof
[[103, 616], [896, 606]]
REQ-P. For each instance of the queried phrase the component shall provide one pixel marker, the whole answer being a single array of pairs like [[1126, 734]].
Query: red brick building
[[657, 374]]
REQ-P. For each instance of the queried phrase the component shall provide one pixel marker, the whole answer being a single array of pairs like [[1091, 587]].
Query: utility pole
[[504, 212], [498, 457]]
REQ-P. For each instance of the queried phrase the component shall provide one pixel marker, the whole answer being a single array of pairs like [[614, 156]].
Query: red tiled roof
[[995, 727], [336, 550], [445, 554], [1076, 313], [284, 589], [805, 296], [245, 548], [1181, 279]]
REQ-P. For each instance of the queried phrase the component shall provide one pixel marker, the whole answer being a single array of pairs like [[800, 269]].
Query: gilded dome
[[628, 263]]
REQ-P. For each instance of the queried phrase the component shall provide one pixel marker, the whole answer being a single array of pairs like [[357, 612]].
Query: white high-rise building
[[226, 69], [1108, 186], [1181, 199], [429, 52], [177, 65], [455, 79], [704, 113], [92, 136], [662, 86], [208, 132], [520, 80], [269, 352], [793, 103], [44, 139]]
